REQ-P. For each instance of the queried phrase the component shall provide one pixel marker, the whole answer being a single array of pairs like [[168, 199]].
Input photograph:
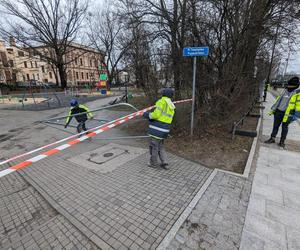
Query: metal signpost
[[194, 52]]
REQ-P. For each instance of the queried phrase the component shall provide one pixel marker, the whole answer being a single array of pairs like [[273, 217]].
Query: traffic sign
[[195, 51]]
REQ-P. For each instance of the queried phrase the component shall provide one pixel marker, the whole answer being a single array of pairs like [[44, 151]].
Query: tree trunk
[[62, 75]]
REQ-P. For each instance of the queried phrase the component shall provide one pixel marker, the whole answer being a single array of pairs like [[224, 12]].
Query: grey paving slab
[[217, 220], [56, 233], [293, 238], [107, 158], [27, 221], [132, 206], [21, 211], [273, 214]]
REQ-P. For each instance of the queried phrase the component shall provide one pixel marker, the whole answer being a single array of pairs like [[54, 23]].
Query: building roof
[[79, 46], [72, 44]]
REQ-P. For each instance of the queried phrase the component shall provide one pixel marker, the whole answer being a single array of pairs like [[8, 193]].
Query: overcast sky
[[294, 63]]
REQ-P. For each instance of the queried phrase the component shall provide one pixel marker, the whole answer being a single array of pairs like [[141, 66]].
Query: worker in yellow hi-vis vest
[[285, 110], [159, 127], [84, 114]]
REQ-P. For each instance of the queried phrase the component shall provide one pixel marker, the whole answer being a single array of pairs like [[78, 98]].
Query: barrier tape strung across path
[[65, 139], [93, 132]]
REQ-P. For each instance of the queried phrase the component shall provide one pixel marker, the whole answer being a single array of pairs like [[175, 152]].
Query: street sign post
[[194, 52]]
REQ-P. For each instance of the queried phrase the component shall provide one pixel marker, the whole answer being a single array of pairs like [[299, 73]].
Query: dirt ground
[[215, 149]]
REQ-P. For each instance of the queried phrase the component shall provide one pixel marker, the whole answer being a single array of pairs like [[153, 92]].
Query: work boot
[[271, 140], [152, 165], [281, 144], [165, 166], [90, 138]]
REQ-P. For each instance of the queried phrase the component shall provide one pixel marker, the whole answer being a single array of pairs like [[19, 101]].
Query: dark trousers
[[278, 117], [157, 150], [81, 126], [265, 95]]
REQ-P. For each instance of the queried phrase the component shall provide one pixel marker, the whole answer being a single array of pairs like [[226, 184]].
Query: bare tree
[[50, 24], [167, 22], [107, 32]]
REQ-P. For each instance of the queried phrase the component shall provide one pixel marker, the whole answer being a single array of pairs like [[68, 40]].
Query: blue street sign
[[195, 51]]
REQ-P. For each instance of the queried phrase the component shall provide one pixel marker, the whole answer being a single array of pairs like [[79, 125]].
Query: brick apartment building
[[19, 66]]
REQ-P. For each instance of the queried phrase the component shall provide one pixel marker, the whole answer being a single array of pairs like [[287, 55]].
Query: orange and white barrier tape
[[92, 132]]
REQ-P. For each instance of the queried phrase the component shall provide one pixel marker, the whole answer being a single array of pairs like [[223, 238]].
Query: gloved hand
[[292, 118], [146, 115], [271, 112]]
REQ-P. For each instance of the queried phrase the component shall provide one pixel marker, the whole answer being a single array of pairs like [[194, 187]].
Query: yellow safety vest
[[79, 109], [294, 106], [161, 118], [164, 110]]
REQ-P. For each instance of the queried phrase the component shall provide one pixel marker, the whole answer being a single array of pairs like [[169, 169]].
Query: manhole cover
[[107, 158], [108, 154]]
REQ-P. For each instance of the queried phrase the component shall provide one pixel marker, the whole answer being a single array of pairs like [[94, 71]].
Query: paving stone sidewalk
[[27, 221], [218, 218], [273, 215], [132, 207]]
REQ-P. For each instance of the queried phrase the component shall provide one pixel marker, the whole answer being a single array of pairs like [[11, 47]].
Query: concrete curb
[[185, 214], [172, 233], [251, 154]]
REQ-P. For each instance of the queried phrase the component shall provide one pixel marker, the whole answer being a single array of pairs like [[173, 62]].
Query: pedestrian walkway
[[273, 215], [103, 196], [132, 206]]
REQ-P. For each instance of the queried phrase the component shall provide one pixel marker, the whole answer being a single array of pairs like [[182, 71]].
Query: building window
[[43, 69], [38, 76], [33, 76], [20, 53], [82, 75], [81, 63], [76, 61], [24, 78], [87, 75], [31, 64], [11, 63], [36, 64], [50, 75], [77, 76], [25, 64], [91, 63], [28, 77]]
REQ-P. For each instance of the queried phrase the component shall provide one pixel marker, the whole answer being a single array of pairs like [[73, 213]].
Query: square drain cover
[[107, 158]]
